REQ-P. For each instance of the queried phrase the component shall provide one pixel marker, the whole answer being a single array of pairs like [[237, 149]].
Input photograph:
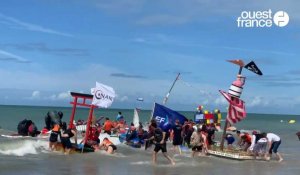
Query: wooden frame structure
[[75, 103]]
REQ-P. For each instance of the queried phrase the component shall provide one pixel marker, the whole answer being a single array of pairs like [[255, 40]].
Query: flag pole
[[226, 122], [167, 96], [151, 115]]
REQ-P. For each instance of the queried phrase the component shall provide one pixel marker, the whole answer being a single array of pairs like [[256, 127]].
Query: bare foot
[[280, 160], [173, 163]]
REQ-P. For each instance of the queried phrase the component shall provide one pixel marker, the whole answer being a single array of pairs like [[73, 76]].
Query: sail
[[136, 118]]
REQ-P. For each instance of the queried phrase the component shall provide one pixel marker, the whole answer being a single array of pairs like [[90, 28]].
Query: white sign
[[103, 95]]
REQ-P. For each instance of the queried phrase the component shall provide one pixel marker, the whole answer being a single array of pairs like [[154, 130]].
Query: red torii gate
[[75, 103]]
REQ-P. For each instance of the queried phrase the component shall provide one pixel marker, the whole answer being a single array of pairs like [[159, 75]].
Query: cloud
[[257, 50], [35, 95], [184, 96], [182, 12], [220, 101], [123, 99], [121, 6], [294, 72], [257, 101], [288, 79], [89, 74], [158, 39], [6, 56], [122, 75], [139, 40], [163, 19], [17, 24], [42, 47], [38, 95], [62, 96]]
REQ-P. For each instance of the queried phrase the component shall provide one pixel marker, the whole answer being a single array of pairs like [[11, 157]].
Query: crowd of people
[[197, 137], [260, 144]]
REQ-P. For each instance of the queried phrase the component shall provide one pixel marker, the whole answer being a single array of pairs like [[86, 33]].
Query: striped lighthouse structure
[[236, 88]]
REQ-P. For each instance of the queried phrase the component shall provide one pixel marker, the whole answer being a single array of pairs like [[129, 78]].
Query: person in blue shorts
[[230, 140]]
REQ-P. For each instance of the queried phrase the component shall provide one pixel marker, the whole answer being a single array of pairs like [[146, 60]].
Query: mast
[[226, 121], [167, 96]]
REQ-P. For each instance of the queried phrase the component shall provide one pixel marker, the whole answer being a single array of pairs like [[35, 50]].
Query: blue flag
[[166, 117]]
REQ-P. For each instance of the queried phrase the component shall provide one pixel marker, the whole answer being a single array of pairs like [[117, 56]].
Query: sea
[[22, 156]]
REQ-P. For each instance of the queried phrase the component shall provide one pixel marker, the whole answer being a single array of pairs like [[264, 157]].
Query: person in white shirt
[[274, 142]]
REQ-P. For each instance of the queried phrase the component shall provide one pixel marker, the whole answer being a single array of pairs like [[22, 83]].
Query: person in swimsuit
[[197, 141], [108, 146]]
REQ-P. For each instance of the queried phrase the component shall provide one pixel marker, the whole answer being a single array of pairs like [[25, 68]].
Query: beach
[[31, 155]]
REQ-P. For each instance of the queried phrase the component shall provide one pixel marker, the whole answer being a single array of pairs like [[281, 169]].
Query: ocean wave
[[22, 147]]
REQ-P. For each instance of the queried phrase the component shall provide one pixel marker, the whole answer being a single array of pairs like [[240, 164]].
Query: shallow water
[[31, 156]]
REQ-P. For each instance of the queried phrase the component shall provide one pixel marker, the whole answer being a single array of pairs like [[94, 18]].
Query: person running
[[160, 139], [274, 142], [177, 135], [65, 137], [108, 146]]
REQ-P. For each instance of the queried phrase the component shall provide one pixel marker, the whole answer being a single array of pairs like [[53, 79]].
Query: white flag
[[103, 95]]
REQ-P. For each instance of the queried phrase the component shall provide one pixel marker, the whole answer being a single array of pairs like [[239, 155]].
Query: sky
[[49, 48]]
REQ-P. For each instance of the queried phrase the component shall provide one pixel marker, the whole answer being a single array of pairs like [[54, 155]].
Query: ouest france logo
[[250, 19]]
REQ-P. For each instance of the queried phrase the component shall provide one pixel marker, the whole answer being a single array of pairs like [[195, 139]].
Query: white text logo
[[250, 19], [281, 18]]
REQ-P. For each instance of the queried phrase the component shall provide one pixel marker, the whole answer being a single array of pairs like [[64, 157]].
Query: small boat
[[17, 136], [135, 143], [233, 154]]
